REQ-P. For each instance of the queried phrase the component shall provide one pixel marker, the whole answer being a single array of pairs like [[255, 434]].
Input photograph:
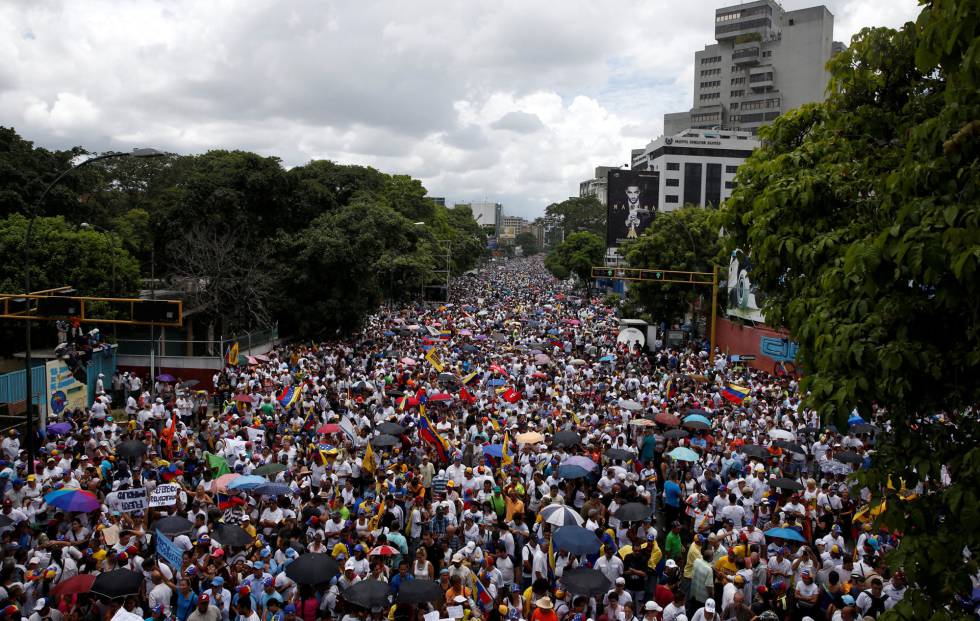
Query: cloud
[[499, 99]]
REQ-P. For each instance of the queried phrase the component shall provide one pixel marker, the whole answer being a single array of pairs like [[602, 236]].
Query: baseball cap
[[652, 606], [205, 598], [41, 603], [709, 605], [258, 565], [671, 563], [620, 581], [847, 599], [218, 581]]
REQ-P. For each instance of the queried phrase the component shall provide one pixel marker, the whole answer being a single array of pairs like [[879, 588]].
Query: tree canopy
[[579, 214], [862, 215], [578, 254]]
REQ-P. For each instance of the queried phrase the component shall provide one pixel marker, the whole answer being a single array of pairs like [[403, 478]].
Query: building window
[[673, 166], [727, 17], [729, 185], [711, 84], [792, 22], [733, 106], [731, 170], [673, 183], [738, 81], [761, 77], [767, 54], [670, 198], [709, 96]]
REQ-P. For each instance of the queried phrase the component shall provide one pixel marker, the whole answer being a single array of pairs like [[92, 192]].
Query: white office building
[[696, 166], [764, 62], [597, 185], [488, 215]]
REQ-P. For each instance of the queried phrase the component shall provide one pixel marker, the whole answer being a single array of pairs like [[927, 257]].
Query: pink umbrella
[[408, 361], [221, 483], [466, 333]]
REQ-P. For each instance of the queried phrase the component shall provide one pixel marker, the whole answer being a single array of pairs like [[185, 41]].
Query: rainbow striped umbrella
[[73, 500]]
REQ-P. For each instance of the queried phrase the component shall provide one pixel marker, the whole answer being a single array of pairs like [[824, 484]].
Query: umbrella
[[272, 489], [697, 425], [789, 446], [80, 583], [247, 482], [569, 471], [193, 383], [754, 450], [419, 592], [787, 484], [618, 453], [530, 437], [696, 418], [367, 593], [682, 453], [578, 362], [408, 361], [500, 337], [384, 550], [585, 581], [629, 404], [566, 438], [312, 568], [848, 457], [699, 412], [633, 512], [59, 429], [470, 349], [232, 535], [608, 358], [863, 428], [676, 434], [785, 533], [497, 381], [384, 440], [781, 434], [73, 500], [131, 448], [494, 450], [262, 358], [393, 429], [561, 515], [449, 378], [642, 422], [165, 377], [270, 468], [173, 525], [667, 419], [243, 398], [576, 540], [117, 583], [441, 396], [581, 461], [221, 483], [542, 359]]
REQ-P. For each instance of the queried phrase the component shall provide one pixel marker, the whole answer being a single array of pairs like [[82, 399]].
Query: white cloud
[[508, 100]]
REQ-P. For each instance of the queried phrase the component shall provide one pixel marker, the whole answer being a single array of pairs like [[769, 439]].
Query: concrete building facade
[[596, 186]]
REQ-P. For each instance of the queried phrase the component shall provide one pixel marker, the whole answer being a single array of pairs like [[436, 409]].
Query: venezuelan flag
[[428, 433], [735, 393], [288, 396]]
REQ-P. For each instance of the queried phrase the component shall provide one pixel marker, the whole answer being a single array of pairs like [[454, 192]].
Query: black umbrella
[[270, 468], [312, 568], [393, 429], [618, 453], [633, 512], [396, 393], [676, 434], [789, 446], [863, 428], [367, 593], [232, 535], [848, 457], [566, 438], [384, 440], [585, 581], [117, 583], [173, 525], [188, 384], [362, 386], [470, 348], [499, 337], [419, 592], [754, 450], [131, 448], [788, 484]]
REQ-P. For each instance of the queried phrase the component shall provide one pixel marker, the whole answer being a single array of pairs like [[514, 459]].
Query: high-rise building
[[765, 61], [488, 215], [597, 186]]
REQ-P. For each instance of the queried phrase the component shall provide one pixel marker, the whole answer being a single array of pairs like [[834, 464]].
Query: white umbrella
[[782, 434], [561, 515], [629, 404]]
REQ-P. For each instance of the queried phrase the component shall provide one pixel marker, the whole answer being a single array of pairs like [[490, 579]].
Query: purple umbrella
[[580, 461], [59, 429], [166, 377]]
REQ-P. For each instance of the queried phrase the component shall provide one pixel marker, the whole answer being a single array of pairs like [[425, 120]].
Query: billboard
[[64, 391], [744, 301], [633, 197]]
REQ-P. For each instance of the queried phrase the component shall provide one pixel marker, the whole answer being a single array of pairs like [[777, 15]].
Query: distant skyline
[[506, 101]]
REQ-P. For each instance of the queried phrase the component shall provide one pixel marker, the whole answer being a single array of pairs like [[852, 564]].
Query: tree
[[862, 215], [684, 239], [528, 243], [25, 170], [578, 254], [579, 214]]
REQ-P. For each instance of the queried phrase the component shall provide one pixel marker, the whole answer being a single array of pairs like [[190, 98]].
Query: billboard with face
[[632, 198], [744, 300]]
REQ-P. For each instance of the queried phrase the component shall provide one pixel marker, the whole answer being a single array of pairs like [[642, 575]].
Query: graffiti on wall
[[783, 351]]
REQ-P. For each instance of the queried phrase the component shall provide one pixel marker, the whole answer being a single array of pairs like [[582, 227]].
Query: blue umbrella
[[247, 482], [785, 533], [553, 331], [389, 333], [494, 450], [697, 418], [272, 489], [569, 471], [561, 515], [606, 359], [682, 453], [576, 540], [499, 381]]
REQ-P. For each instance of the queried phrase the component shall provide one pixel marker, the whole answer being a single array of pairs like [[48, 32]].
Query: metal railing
[[207, 348]]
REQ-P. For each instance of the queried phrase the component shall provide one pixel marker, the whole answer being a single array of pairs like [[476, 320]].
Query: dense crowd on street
[[502, 456]]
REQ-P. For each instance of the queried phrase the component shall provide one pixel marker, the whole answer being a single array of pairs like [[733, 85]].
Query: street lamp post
[[35, 210]]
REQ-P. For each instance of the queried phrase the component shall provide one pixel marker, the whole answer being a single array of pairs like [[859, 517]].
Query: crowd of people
[[502, 457]]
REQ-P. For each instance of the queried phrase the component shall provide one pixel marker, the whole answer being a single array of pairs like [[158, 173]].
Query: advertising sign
[[744, 301], [633, 198], [64, 391]]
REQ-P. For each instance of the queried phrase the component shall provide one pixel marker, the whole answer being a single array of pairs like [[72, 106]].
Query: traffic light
[[658, 275], [159, 311], [58, 307]]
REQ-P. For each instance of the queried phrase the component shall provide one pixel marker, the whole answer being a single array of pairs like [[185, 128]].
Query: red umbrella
[[539, 375], [384, 551], [441, 396], [496, 368], [81, 583], [667, 419], [329, 428]]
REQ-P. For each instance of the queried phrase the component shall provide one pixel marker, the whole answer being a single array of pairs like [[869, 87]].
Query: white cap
[[652, 606], [671, 563], [620, 581], [41, 603], [709, 605]]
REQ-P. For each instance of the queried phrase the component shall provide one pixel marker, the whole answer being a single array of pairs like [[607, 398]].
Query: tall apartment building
[[488, 215], [765, 61], [597, 186]]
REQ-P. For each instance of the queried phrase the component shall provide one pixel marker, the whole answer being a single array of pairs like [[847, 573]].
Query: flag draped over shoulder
[[505, 458], [428, 434]]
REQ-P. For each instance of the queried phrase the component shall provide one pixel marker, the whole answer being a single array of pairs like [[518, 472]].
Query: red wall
[[202, 375], [735, 338]]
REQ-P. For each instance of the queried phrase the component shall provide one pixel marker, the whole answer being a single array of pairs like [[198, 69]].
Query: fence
[[208, 348], [12, 384]]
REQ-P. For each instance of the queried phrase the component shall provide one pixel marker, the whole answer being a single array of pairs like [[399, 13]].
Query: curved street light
[[35, 210]]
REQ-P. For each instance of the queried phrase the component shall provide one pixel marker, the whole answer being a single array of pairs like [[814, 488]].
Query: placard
[[168, 551], [128, 500], [164, 495]]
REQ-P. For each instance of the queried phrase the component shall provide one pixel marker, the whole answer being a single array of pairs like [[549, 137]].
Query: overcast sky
[[515, 101]]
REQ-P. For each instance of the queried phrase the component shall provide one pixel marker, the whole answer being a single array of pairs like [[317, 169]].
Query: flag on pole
[[735, 394], [505, 458], [232, 356], [368, 461], [288, 396], [434, 359], [483, 598], [428, 433]]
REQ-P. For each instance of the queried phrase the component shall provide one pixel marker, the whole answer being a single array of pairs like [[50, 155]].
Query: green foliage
[[26, 170], [64, 255], [578, 214], [863, 219], [684, 239], [578, 254], [528, 243]]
